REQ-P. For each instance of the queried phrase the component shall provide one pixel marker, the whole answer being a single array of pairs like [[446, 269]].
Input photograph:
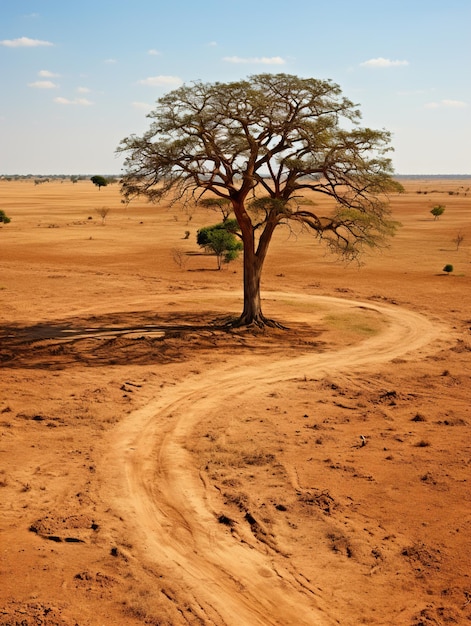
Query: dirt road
[[171, 511]]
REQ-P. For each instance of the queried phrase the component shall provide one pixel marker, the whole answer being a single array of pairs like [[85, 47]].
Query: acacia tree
[[99, 181], [260, 143]]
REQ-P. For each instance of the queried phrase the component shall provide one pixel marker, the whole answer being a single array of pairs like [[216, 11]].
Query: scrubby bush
[[437, 211], [458, 240], [448, 268], [4, 219], [220, 239]]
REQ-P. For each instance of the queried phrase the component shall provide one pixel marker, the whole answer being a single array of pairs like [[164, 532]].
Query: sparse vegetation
[[179, 257], [448, 268], [103, 212], [458, 240], [4, 219], [437, 210]]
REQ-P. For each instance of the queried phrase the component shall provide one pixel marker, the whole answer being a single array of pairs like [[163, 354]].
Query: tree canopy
[[99, 181], [261, 144]]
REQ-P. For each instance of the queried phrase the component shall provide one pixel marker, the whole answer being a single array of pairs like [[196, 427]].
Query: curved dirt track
[[227, 580]]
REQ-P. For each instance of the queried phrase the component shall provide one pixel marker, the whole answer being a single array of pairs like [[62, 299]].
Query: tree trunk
[[252, 313], [253, 264]]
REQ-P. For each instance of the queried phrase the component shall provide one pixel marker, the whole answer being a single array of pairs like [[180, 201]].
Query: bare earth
[[158, 469]]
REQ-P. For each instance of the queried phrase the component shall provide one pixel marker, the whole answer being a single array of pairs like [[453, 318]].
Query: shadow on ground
[[134, 338]]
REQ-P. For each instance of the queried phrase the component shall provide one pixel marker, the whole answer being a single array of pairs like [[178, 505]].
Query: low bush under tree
[[221, 240]]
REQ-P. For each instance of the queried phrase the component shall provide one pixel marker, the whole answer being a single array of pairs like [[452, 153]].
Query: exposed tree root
[[260, 321]]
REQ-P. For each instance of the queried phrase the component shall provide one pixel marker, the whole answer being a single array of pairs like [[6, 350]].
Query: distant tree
[[74, 179], [458, 240], [223, 205], [220, 240], [99, 181], [4, 219], [448, 268], [437, 211], [272, 135]]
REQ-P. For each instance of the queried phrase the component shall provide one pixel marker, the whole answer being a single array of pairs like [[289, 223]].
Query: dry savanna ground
[[158, 469]]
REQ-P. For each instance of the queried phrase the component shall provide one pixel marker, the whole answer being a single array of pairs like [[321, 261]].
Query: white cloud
[[43, 84], [47, 74], [454, 104], [212, 44], [448, 104], [110, 61], [256, 60], [381, 62], [161, 81], [24, 42], [79, 101], [83, 90], [153, 52], [142, 106]]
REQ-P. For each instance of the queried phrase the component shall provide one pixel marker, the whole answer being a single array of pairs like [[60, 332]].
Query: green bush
[[4, 218], [437, 211], [221, 240]]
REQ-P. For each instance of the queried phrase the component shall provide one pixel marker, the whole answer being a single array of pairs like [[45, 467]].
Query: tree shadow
[[111, 339]]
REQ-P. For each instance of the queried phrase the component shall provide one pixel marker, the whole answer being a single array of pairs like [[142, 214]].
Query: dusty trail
[[156, 486]]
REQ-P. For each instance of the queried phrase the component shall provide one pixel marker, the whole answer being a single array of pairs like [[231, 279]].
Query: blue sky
[[76, 78]]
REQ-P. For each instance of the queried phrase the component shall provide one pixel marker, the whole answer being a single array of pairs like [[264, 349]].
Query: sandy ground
[[158, 469]]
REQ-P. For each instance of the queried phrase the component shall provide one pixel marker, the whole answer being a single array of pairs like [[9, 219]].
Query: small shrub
[[448, 268], [437, 210], [179, 257], [4, 218], [418, 418], [103, 212], [458, 240]]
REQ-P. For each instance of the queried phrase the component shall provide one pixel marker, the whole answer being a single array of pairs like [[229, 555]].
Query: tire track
[[156, 485]]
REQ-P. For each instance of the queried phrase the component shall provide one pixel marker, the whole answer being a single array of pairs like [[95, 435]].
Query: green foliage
[[4, 218], [255, 147], [220, 240], [437, 210], [99, 181], [448, 268]]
